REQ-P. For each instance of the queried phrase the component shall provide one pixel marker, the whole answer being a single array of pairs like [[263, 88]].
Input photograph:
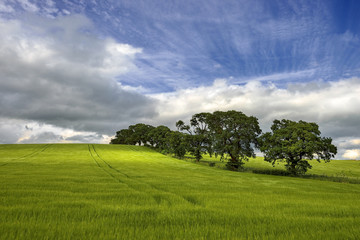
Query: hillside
[[81, 191]]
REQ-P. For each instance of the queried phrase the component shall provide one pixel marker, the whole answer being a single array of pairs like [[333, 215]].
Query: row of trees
[[234, 136]]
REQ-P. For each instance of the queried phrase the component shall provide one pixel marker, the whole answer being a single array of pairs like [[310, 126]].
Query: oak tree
[[296, 143]]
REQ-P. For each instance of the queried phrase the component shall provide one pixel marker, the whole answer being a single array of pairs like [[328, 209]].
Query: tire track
[[93, 156], [156, 197], [109, 164], [36, 152]]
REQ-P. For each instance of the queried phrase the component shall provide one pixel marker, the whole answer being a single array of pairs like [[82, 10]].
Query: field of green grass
[[81, 191], [335, 170]]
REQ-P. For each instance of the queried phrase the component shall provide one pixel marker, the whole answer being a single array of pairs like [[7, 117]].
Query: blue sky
[[77, 71], [187, 43]]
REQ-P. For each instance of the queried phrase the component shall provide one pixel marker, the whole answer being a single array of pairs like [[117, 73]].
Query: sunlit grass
[[128, 192], [346, 169]]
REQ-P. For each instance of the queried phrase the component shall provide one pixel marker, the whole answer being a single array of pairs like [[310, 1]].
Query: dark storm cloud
[[59, 74]]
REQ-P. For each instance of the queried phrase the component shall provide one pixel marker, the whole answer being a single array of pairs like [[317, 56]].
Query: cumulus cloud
[[332, 105], [352, 154], [58, 72]]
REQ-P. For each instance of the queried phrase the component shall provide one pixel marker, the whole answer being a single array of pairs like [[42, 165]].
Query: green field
[[341, 171], [81, 191]]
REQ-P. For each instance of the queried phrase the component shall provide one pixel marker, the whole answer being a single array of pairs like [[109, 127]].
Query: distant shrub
[[211, 164]]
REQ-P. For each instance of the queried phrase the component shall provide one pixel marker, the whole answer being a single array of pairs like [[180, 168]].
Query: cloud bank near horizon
[[330, 104]]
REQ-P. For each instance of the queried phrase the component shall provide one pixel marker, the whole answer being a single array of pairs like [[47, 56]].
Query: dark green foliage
[[135, 134], [202, 140], [198, 138], [182, 127], [212, 164], [234, 135], [140, 133], [177, 143], [296, 142], [158, 137], [124, 136]]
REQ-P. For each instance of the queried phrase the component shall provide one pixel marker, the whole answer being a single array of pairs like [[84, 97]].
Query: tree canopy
[[296, 142], [198, 137], [233, 136], [157, 137]]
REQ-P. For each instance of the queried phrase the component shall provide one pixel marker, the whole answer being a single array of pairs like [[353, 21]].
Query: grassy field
[[83, 191], [342, 171]]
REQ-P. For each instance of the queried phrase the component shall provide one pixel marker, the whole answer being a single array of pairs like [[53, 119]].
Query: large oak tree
[[235, 136], [296, 143]]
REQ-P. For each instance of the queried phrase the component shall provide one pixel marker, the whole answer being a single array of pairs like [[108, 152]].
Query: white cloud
[[352, 154], [64, 41], [308, 73], [34, 132], [333, 105], [66, 12], [28, 6], [6, 8], [119, 58]]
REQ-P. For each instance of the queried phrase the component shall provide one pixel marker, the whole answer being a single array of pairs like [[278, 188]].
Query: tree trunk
[[292, 167], [233, 164]]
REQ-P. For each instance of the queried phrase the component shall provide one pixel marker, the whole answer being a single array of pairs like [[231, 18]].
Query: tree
[[134, 134], [124, 136], [296, 142], [140, 133], [198, 138], [157, 137], [234, 135], [177, 143]]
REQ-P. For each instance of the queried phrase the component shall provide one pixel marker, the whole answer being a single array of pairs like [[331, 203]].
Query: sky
[[78, 71]]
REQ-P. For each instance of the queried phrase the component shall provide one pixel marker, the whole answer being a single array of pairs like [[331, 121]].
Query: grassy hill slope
[[82, 191], [335, 170]]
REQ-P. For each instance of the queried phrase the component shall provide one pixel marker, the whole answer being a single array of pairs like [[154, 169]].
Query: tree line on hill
[[234, 136]]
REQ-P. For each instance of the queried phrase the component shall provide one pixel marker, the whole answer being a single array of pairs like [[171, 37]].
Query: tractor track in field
[[36, 152], [156, 197], [98, 163], [109, 164]]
